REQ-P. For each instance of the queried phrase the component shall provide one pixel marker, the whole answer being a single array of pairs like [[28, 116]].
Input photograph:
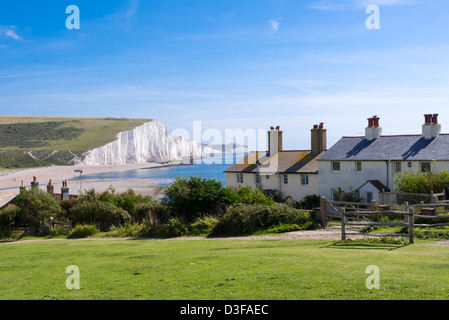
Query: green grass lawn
[[222, 269]]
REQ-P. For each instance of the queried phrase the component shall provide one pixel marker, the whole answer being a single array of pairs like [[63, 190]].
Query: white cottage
[[293, 173], [369, 163]]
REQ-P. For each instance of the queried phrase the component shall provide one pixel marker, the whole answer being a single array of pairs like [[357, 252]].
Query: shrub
[[202, 226], [58, 230], [36, 206], [102, 214], [248, 219], [193, 196], [125, 200], [421, 181], [83, 231], [309, 202], [67, 204], [154, 212], [8, 219], [131, 230], [248, 195], [173, 228]]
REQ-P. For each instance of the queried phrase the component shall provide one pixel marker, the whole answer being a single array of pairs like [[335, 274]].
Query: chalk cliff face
[[149, 142]]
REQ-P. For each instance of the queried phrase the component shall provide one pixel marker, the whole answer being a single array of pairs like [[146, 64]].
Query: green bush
[[129, 229], [202, 226], [310, 202], [421, 181], [58, 230], [248, 195], [125, 200], [248, 219], [155, 212], [173, 228], [194, 197], [36, 206], [102, 214], [8, 219], [83, 231]]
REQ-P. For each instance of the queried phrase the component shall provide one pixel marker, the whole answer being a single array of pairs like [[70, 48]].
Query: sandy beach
[[10, 181]]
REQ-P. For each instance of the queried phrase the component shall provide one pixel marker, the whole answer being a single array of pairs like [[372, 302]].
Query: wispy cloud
[[9, 32], [133, 7], [274, 25]]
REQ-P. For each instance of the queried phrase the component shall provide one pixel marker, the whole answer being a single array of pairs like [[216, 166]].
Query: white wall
[[294, 188], [348, 178]]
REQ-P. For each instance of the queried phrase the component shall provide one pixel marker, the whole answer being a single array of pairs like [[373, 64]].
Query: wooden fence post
[[406, 216], [323, 212], [343, 231], [411, 227]]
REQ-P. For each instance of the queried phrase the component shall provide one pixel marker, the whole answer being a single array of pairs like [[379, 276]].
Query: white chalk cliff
[[149, 142]]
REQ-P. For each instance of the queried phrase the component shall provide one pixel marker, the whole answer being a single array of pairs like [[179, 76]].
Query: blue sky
[[230, 64]]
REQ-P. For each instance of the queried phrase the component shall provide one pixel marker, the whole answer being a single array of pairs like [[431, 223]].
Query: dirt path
[[331, 233]]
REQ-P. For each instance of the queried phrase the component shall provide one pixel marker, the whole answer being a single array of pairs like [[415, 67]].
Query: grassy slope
[[222, 269], [96, 132]]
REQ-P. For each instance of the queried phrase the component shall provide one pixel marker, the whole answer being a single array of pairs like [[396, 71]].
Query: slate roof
[[290, 161], [395, 148]]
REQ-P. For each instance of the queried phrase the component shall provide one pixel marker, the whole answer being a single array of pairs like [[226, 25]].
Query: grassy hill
[[41, 141]]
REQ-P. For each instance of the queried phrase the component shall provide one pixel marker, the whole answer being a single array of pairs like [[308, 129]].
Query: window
[[335, 166], [397, 167], [239, 177], [409, 165], [305, 179], [369, 197], [425, 166], [358, 166], [267, 176], [285, 179]]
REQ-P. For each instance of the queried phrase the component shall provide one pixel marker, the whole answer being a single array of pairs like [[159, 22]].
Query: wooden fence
[[363, 214], [388, 198]]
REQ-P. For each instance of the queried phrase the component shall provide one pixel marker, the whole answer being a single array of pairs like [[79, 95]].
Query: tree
[[36, 206]]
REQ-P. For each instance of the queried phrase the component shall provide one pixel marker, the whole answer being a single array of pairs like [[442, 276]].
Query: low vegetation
[[27, 142], [192, 206]]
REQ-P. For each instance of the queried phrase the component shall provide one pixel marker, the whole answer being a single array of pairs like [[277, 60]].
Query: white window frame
[[396, 163], [357, 166], [240, 178], [285, 179], [304, 179]]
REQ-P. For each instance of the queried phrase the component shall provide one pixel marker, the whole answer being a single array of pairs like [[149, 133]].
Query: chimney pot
[[435, 118]]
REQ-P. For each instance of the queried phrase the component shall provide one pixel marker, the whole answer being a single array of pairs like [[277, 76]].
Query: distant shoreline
[[10, 182]]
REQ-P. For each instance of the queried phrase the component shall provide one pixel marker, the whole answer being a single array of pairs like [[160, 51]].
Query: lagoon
[[211, 167]]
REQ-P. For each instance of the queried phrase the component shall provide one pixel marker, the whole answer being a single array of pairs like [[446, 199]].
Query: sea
[[208, 167]]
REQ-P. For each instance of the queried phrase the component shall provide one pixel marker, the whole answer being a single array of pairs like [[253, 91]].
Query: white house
[[369, 163], [293, 173]]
